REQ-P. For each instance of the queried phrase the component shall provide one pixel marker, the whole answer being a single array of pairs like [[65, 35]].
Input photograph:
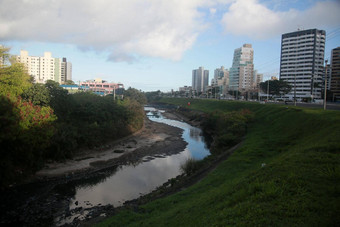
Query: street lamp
[[325, 93]]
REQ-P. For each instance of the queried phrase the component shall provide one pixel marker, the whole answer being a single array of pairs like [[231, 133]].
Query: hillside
[[286, 173]]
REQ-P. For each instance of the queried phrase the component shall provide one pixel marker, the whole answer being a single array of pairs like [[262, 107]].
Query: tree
[[276, 87], [4, 55], [133, 93], [153, 96], [14, 80], [60, 101], [37, 94], [25, 128], [69, 82]]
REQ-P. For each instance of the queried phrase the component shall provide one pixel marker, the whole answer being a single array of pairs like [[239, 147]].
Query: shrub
[[190, 166]]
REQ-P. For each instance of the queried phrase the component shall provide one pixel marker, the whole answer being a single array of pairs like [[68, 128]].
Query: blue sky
[[155, 44]]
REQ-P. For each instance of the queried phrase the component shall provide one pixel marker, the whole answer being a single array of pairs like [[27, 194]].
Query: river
[[131, 181]]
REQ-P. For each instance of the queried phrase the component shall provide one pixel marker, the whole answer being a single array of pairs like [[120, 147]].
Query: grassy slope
[[299, 185]]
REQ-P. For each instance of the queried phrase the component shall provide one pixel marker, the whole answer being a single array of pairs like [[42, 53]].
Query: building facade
[[301, 65], [200, 80], [242, 71], [335, 73], [102, 87], [221, 80], [43, 68], [258, 78], [185, 91], [66, 70]]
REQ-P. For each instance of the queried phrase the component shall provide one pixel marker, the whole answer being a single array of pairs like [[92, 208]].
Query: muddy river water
[[131, 181]]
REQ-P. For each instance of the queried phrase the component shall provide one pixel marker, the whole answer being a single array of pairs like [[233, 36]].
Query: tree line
[[40, 122]]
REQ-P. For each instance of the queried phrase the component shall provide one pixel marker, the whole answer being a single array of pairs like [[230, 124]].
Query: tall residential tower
[[302, 56], [242, 71], [200, 80], [335, 73]]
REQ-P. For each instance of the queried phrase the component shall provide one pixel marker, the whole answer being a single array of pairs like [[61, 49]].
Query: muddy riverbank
[[153, 138], [48, 195]]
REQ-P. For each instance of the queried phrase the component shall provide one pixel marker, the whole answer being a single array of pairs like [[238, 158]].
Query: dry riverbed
[[47, 196]]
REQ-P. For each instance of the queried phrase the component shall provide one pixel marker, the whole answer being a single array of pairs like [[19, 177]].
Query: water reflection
[[130, 181], [192, 135]]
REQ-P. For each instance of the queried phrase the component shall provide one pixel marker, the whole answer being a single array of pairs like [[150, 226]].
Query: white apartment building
[[200, 80], [302, 56], [242, 71], [44, 68]]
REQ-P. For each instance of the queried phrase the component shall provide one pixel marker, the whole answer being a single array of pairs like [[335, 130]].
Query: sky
[[155, 44]]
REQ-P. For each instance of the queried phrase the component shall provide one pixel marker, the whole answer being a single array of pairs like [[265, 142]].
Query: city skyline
[[157, 44]]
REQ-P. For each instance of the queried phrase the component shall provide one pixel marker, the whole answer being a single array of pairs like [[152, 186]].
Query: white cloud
[[212, 11], [126, 28], [249, 17]]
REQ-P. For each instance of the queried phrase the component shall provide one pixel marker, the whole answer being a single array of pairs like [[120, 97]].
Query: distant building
[[44, 68], [185, 91], [221, 80], [302, 56], [329, 78], [67, 70], [74, 88], [102, 87], [200, 80], [335, 73], [242, 71], [258, 78]]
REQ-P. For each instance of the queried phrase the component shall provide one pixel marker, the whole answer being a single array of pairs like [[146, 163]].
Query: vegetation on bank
[[286, 173], [42, 121]]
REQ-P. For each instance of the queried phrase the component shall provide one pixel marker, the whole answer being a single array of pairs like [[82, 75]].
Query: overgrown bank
[[40, 122], [286, 173]]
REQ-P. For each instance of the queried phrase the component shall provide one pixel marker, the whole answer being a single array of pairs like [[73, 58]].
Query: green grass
[[299, 185]]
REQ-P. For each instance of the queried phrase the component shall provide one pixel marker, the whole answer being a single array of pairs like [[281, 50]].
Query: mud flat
[[48, 194]]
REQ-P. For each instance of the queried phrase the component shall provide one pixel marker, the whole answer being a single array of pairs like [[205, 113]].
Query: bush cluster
[[42, 121], [227, 128]]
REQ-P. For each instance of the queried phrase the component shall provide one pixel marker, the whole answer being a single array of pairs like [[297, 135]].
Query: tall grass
[[299, 185], [190, 166]]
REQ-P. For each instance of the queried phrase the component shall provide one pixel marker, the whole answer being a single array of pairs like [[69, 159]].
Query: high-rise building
[[257, 79], [67, 70], [242, 71], [200, 80], [335, 73], [221, 80], [302, 55], [44, 68]]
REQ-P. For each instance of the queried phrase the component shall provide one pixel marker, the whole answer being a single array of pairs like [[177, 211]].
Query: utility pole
[[295, 88], [114, 92], [325, 92]]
